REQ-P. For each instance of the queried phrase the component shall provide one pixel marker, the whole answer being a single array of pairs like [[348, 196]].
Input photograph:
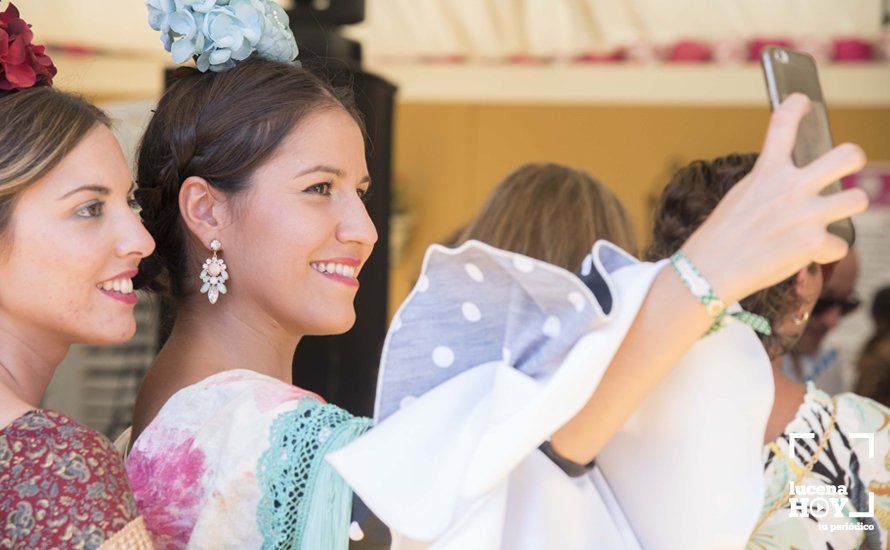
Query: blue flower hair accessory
[[217, 33]]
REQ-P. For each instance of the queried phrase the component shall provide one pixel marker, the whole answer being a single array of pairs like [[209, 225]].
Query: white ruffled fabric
[[457, 465]]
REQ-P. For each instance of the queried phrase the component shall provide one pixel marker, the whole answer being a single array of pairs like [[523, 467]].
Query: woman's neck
[[789, 395], [209, 339], [28, 360]]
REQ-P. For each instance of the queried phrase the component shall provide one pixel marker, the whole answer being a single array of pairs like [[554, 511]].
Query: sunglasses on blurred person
[[846, 305]]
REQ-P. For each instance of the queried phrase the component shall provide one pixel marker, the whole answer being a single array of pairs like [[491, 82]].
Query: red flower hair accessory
[[22, 64]]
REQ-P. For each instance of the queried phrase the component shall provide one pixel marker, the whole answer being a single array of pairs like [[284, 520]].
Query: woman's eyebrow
[[330, 170], [97, 188], [321, 168]]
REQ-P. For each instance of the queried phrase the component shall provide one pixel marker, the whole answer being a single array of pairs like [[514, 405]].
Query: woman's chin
[[107, 336], [333, 326]]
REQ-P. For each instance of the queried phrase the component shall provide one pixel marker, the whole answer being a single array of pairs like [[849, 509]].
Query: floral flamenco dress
[[62, 485], [237, 461]]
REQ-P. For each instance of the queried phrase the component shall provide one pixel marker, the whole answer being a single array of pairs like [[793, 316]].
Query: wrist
[[700, 288], [723, 280], [703, 291]]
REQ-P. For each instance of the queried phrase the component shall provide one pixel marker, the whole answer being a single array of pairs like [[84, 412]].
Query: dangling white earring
[[799, 320], [214, 274]]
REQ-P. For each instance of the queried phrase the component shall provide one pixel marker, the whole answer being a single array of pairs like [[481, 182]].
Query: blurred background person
[[551, 212], [808, 360], [874, 361]]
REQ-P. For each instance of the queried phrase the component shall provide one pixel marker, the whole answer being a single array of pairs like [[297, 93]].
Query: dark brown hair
[[40, 127], [874, 360], [221, 127], [688, 199], [553, 213]]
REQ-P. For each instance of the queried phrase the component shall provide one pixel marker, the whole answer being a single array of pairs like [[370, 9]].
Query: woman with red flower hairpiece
[[69, 243]]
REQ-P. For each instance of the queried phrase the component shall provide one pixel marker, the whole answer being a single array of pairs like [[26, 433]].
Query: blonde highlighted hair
[[40, 126], [553, 213]]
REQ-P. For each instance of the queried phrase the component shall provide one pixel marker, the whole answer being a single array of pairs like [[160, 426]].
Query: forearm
[[669, 322]]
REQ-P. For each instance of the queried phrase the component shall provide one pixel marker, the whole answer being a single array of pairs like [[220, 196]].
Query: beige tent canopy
[[126, 59]]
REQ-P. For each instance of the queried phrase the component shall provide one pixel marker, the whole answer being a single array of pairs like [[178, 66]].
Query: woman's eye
[[134, 205], [320, 188], [90, 210], [365, 194]]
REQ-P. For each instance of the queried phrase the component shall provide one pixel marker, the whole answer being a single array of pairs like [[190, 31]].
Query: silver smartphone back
[[786, 72]]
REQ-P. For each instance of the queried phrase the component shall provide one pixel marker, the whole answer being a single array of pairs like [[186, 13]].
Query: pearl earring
[[214, 274]]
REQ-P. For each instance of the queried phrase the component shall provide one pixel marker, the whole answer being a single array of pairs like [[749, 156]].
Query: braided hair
[[688, 199], [220, 127]]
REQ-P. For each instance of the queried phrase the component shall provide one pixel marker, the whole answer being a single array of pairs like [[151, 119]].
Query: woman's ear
[[808, 281], [202, 208]]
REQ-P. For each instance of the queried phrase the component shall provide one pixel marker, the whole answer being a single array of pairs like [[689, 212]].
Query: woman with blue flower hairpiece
[[226, 452], [252, 176]]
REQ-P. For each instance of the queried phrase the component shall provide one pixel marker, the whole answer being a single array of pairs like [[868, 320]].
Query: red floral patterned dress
[[62, 485]]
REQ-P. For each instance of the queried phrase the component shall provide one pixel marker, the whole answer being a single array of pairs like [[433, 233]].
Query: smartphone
[[786, 72]]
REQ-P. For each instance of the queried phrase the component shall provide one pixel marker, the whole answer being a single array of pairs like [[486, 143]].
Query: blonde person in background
[[551, 212]]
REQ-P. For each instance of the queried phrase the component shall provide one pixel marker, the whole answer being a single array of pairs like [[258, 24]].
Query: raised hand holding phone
[[774, 222], [787, 72]]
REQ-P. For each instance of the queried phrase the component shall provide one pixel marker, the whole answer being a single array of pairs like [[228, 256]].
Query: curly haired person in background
[[833, 458]]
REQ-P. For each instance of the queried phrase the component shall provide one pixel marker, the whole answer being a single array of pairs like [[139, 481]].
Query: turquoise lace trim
[[305, 504]]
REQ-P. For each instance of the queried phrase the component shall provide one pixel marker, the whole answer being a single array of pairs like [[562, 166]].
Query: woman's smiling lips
[[120, 287], [343, 270]]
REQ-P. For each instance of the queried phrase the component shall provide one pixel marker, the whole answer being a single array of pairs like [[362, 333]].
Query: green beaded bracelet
[[701, 289]]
